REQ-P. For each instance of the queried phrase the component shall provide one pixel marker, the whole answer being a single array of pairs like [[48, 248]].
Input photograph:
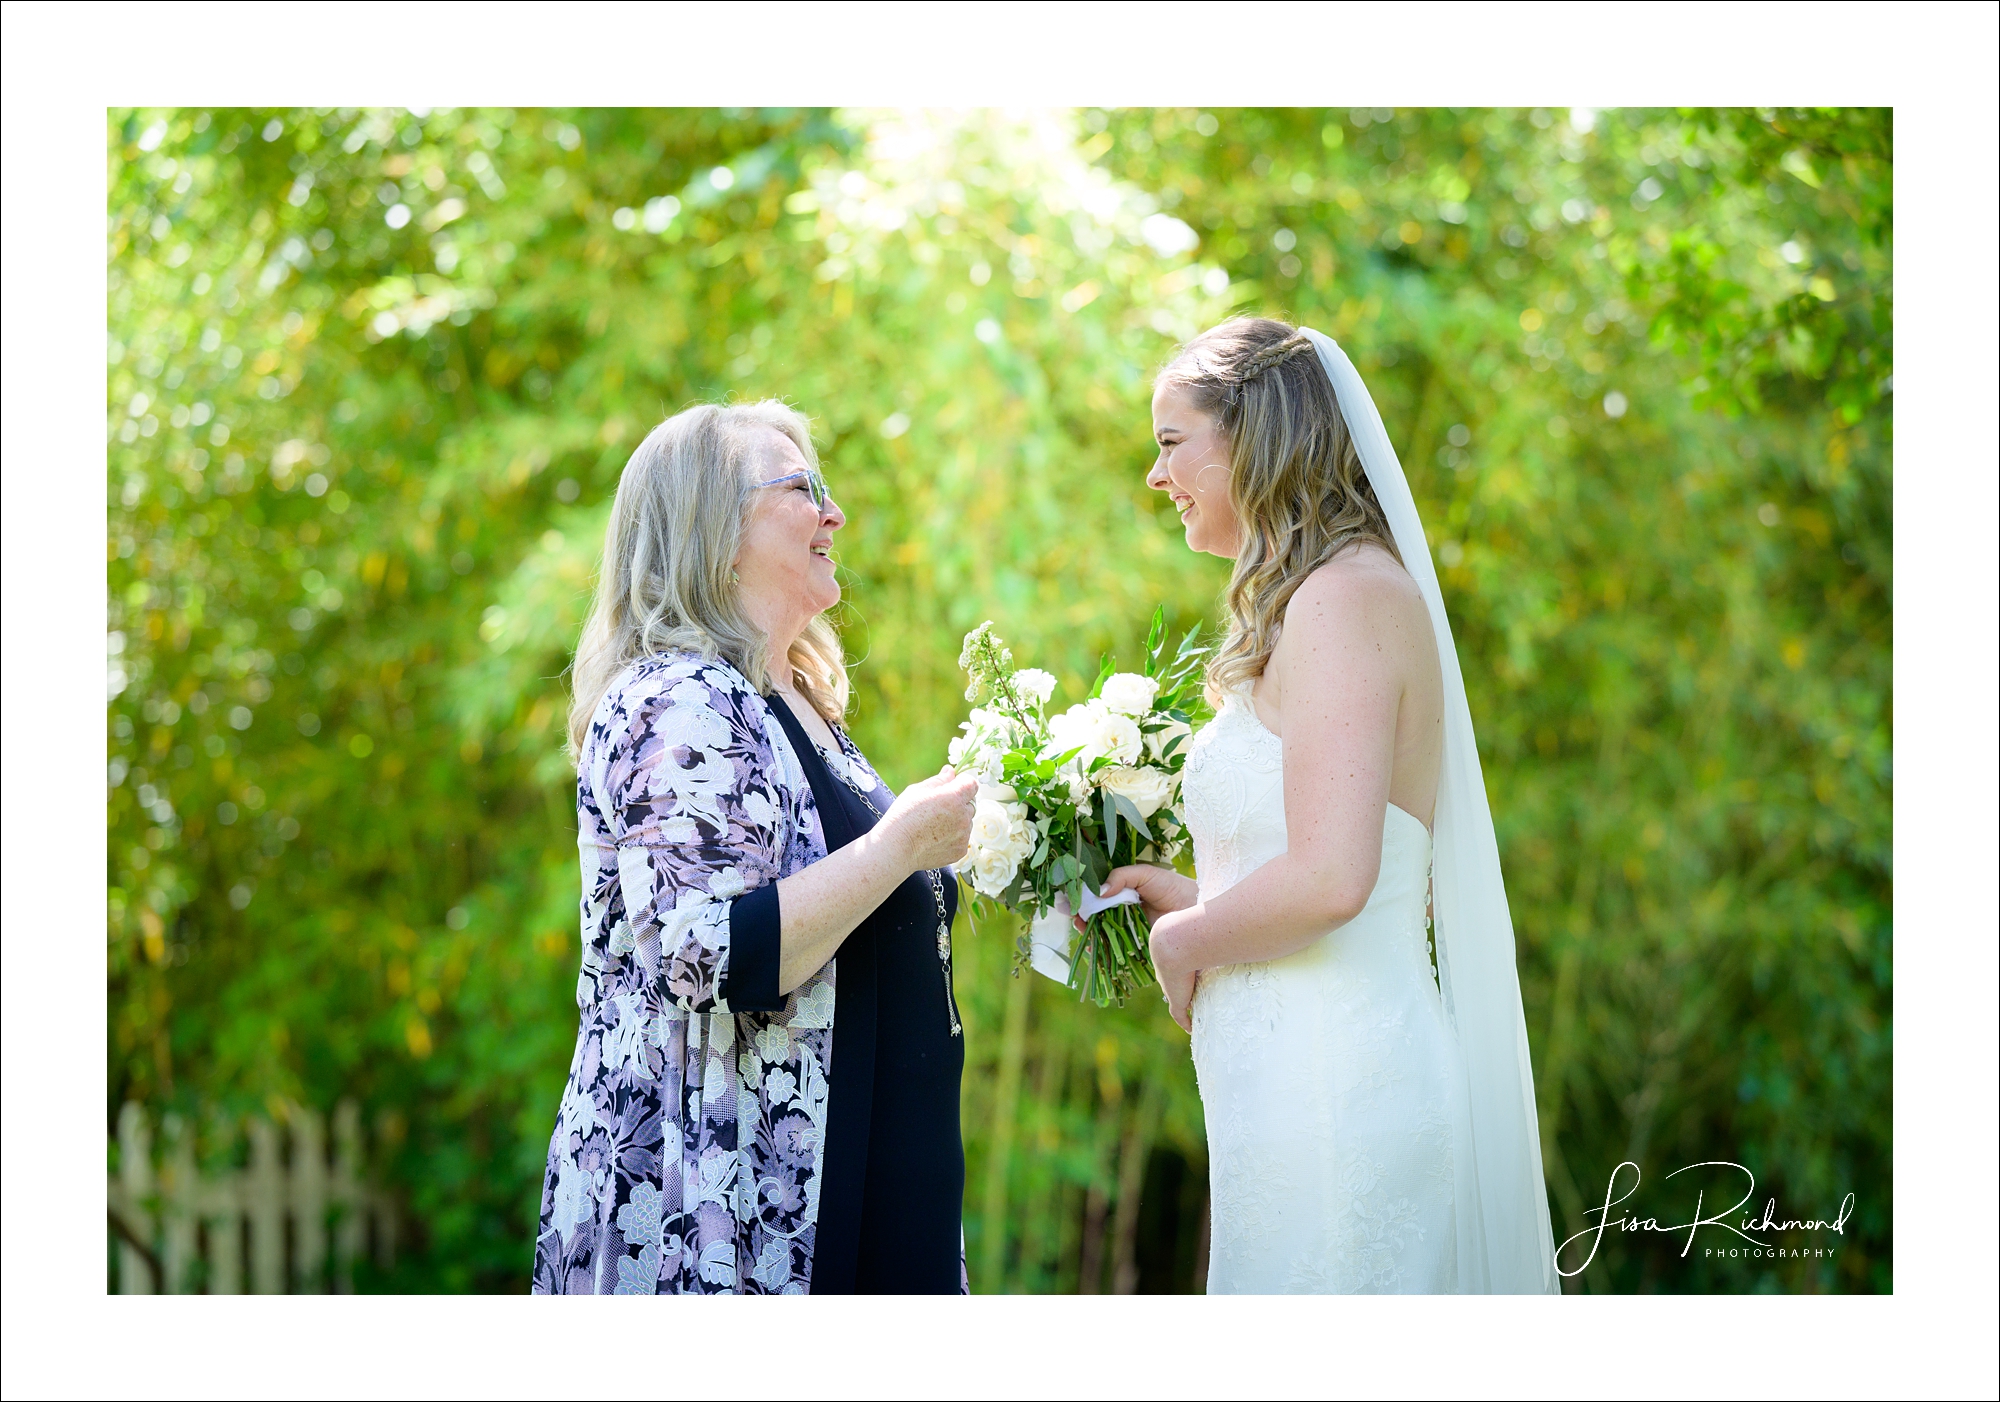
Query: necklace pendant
[[944, 966]]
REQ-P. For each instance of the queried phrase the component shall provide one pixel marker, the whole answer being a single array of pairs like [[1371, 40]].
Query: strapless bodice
[[1235, 804]]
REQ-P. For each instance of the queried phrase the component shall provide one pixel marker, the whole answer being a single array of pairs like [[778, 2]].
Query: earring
[[733, 578]]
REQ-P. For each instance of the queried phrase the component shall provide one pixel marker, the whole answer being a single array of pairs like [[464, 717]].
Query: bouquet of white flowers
[[1065, 798]]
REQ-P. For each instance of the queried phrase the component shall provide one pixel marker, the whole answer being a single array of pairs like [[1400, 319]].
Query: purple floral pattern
[[687, 1151]]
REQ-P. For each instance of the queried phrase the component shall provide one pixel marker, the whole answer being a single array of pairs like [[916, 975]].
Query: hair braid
[[1255, 365]]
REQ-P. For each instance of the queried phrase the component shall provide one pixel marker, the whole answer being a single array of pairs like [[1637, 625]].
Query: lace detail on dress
[[1327, 1077], [1234, 795]]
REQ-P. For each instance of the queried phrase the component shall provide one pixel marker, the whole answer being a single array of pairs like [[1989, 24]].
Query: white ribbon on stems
[[1049, 934]]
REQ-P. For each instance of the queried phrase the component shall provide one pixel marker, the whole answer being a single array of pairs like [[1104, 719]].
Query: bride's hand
[[1177, 977], [1162, 890]]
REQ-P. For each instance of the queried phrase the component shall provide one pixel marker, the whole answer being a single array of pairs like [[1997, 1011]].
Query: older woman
[[730, 1125]]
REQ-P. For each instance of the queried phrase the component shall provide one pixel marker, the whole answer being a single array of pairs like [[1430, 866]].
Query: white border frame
[[1934, 63]]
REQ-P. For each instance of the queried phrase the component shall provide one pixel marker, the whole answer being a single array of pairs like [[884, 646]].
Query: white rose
[[1147, 788], [1158, 740], [1034, 684], [1118, 737], [1099, 731], [1069, 730], [993, 872], [1000, 821], [1026, 834], [992, 828], [1128, 693]]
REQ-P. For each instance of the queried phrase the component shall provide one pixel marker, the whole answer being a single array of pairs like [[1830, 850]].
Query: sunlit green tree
[[373, 376]]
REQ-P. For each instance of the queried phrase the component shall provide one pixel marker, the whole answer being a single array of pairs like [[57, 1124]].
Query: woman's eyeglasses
[[815, 486]]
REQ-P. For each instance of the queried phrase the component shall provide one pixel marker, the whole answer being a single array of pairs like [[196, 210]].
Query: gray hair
[[667, 584]]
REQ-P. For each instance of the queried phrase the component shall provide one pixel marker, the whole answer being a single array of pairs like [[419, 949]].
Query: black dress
[[894, 1177]]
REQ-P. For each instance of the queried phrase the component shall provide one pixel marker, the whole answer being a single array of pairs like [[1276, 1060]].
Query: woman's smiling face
[[784, 564], [1193, 470]]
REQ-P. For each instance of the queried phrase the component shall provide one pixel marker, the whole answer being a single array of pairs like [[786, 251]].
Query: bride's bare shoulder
[[1362, 584]]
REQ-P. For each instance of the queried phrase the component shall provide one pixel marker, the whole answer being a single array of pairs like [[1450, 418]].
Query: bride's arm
[[1340, 684]]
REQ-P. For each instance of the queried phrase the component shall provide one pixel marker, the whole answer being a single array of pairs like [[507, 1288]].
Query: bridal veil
[[1504, 1242]]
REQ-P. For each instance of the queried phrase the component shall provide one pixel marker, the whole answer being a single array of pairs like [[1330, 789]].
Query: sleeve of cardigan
[[701, 829], [750, 984]]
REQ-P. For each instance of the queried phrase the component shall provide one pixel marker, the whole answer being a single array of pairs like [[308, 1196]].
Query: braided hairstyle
[[1295, 480]]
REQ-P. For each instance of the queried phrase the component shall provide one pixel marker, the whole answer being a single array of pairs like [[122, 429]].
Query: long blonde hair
[[1295, 480], [667, 583]]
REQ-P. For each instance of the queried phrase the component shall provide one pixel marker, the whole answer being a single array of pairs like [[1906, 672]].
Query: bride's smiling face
[[1193, 470]]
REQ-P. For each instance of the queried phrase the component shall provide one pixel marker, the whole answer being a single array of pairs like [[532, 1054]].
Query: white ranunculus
[[1128, 693], [1158, 740], [1146, 787], [1034, 684]]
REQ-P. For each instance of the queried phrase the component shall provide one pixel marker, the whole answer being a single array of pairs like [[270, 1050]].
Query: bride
[[1370, 1115]]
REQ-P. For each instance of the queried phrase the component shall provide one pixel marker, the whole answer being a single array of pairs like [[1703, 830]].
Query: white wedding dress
[[1330, 1078], [1365, 1133]]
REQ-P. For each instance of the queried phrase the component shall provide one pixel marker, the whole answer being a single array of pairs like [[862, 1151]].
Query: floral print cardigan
[[687, 1152]]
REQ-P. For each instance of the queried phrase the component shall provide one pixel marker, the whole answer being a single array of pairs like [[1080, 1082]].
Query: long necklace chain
[[936, 881]]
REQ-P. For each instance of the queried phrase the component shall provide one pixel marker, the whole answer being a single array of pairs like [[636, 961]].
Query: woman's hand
[[1162, 890], [930, 823], [1177, 973]]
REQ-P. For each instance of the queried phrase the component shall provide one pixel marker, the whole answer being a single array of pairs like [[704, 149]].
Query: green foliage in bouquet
[[1065, 799]]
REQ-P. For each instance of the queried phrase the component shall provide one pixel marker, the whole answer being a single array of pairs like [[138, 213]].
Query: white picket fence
[[263, 1229]]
